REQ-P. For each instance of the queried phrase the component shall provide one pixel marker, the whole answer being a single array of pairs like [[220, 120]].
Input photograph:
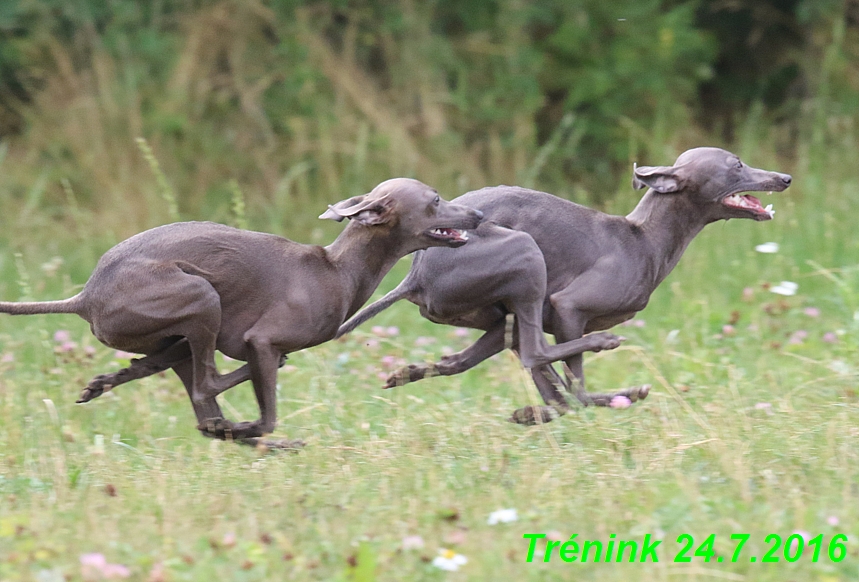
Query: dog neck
[[362, 256], [668, 222]]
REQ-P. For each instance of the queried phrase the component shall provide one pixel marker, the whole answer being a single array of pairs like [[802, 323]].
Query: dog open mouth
[[449, 234], [750, 203]]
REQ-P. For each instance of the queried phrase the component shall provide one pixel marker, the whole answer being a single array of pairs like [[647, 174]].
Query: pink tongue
[[755, 202]]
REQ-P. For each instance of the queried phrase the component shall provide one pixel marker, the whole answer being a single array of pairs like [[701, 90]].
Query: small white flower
[[98, 444], [672, 336], [502, 516], [449, 560], [785, 288], [840, 367], [767, 248], [50, 268], [52, 575]]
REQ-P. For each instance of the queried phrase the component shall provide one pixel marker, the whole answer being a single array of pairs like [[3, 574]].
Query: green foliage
[[166, 191], [241, 220], [628, 71], [458, 94], [364, 569]]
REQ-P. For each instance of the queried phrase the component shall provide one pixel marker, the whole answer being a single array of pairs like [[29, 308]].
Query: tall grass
[[748, 429]]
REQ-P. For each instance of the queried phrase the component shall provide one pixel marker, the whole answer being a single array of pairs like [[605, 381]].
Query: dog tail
[[399, 292], [70, 305]]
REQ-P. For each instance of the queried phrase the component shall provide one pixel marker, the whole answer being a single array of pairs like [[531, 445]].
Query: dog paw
[[531, 415], [88, 394], [94, 389], [265, 445], [243, 430], [635, 393], [217, 428], [622, 398], [224, 429], [606, 341], [411, 373], [639, 393]]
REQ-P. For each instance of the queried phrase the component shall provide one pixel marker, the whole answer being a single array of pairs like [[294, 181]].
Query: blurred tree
[[628, 71], [760, 43], [794, 62], [13, 95], [301, 98]]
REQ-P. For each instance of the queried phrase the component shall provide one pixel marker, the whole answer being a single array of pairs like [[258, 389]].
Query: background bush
[[305, 102]]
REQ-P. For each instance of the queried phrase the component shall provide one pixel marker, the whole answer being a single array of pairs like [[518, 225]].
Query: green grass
[[743, 433]]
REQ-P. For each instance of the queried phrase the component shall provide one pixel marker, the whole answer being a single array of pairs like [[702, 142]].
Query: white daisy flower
[[785, 288], [449, 560], [767, 248], [502, 516]]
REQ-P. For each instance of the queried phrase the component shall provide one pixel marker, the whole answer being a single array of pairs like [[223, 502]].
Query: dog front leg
[[489, 344], [261, 368]]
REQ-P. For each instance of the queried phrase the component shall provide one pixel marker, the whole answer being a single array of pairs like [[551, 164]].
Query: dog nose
[[786, 179]]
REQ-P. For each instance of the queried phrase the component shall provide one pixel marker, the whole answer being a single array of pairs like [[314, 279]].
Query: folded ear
[[340, 210], [663, 179], [359, 208], [378, 214]]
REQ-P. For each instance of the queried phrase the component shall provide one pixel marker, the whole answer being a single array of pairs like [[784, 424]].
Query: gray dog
[[179, 292], [569, 270]]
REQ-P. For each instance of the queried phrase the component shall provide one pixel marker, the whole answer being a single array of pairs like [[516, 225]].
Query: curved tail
[[399, 292], [70, 305]]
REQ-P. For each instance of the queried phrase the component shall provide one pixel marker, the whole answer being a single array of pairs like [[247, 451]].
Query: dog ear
[[344, 208], [359, 208], [378, 213], [663, 179]]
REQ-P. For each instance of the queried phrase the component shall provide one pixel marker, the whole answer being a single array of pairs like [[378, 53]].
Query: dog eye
[[739, 164], [436, 200]]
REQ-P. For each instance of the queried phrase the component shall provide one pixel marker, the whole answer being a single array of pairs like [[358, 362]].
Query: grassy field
[[749, 428]]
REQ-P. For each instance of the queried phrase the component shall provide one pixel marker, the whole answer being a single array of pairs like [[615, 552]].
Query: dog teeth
[[769, 210], [451, 232], [738, 201]]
